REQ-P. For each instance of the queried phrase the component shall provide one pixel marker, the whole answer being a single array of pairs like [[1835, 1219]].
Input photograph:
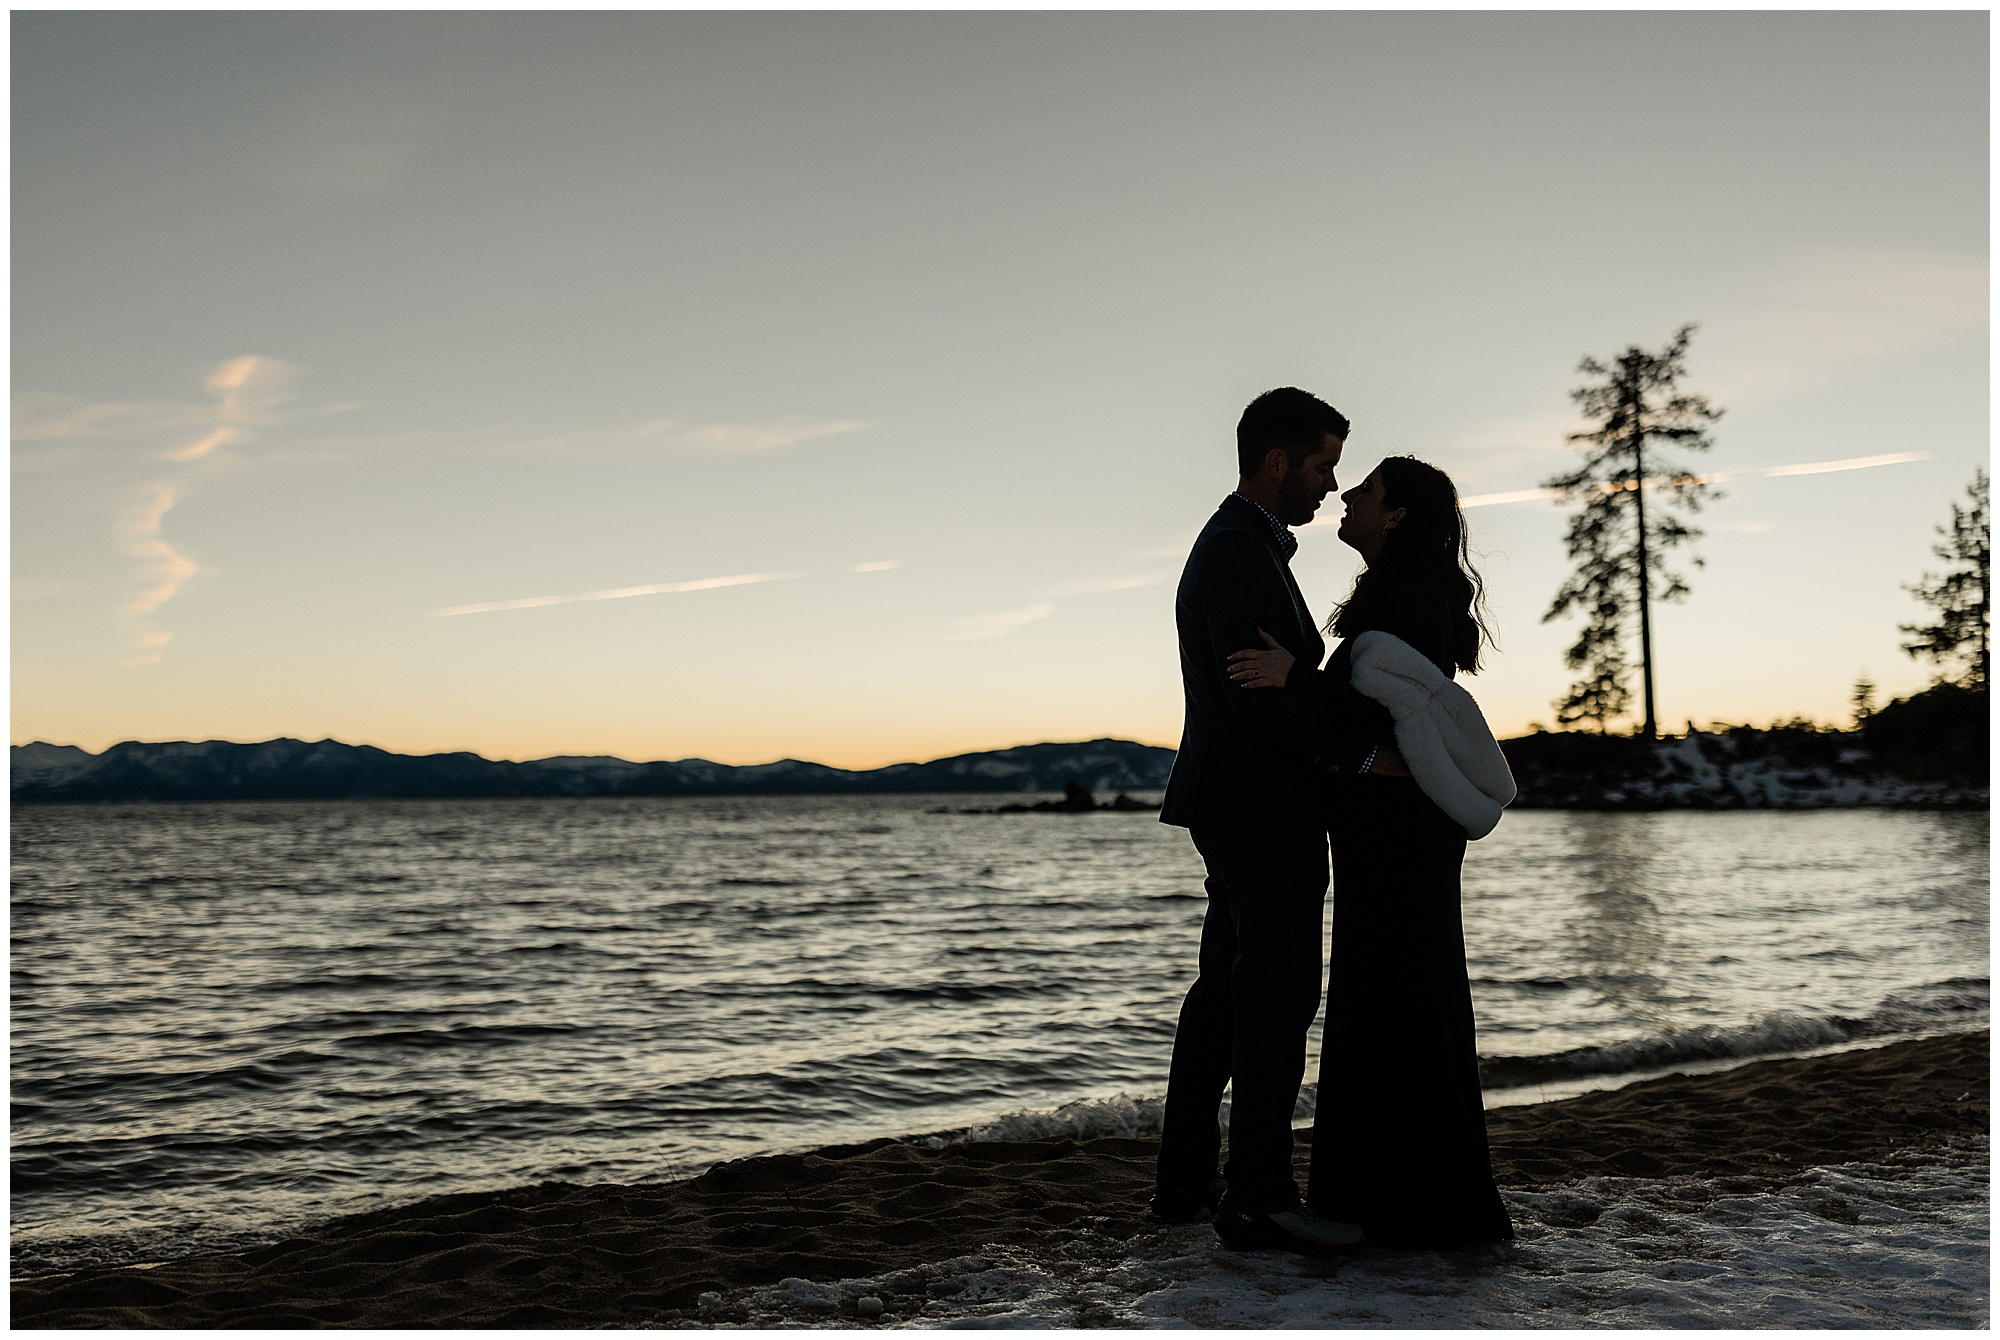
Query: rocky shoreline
[[1720, 770]]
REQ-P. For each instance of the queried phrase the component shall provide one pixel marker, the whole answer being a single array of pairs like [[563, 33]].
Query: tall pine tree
[[1641, 416], [1959, 640]]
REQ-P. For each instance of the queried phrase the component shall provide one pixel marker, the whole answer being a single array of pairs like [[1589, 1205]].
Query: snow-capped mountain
[[328, 770]]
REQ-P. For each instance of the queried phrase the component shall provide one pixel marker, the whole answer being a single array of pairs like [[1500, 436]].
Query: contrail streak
[[1512, 496], [1769, 472], [1852, 463], [616, 593]]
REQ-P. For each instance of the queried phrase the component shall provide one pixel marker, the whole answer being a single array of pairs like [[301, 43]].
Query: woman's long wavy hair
[[1429, 546]]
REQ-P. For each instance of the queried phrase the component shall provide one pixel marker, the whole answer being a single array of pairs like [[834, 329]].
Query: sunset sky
[[849, 386]]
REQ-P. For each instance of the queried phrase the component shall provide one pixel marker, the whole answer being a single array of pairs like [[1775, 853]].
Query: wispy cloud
[[655, 438], [162, 568], [1521, 432], [49, 588], [615, 593], [882, 566], [206, 443], [742, 439], [1484, 452], [253, 394], [348, 151], [981, 626], [1177, 548], [1814, 317], [1790, 325], [346, 171], [1105, 585], [166, 568], [250, 390], [45, 416]]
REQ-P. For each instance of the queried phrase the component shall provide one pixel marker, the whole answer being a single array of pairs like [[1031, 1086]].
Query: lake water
[[232, 1021]]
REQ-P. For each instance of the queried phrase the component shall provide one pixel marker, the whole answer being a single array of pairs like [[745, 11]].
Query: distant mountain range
[[329, 770], [1928, 751]]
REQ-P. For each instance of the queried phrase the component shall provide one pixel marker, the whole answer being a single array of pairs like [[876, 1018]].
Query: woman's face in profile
[[1368, 518]]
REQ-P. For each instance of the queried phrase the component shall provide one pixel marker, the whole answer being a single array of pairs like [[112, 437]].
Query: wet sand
[[631, 1255]]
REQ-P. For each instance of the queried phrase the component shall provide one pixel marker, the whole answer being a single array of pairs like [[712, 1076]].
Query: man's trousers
[[1245, 1019]]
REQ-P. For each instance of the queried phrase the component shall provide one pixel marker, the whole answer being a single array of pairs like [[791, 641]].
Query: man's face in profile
[[1307, 482]]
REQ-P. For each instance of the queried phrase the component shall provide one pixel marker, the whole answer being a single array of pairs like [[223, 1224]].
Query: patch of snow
[[40, 764], [1854, 1245]]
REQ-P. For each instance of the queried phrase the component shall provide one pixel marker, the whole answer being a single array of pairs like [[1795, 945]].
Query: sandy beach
[[1054, 1232]]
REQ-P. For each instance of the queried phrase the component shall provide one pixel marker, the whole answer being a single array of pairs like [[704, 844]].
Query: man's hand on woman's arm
[[1266, 669]]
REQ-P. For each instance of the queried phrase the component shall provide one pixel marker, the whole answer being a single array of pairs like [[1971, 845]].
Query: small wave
[[981, 991], [825, 989], [451, 1037], [165, 1086], [1085, 1119], [1533, 983], [1950, 1003], [1122, 1115], [1584, 981], [1953, 1003], [353, 981]]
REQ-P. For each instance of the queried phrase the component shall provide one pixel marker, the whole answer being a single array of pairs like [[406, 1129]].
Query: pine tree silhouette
[[1615, 544]]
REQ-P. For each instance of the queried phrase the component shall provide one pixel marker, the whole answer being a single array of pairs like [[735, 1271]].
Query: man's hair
[[1297, 422]]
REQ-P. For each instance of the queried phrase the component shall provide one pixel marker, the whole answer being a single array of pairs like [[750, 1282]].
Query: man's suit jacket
[[1257, 759]]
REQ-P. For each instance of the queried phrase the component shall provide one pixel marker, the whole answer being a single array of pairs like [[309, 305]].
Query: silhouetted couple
[[1277, 757]]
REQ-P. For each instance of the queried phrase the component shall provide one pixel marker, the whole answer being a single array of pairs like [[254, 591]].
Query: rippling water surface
[[234, 1020]]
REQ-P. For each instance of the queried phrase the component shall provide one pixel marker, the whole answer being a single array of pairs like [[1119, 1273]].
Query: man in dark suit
[[1250, 784]]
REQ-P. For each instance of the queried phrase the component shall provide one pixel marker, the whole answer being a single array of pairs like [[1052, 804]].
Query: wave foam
[[1938, 1007], [1090, 1119], [1849, 1245], [1085, 1119], [1935, 1007]]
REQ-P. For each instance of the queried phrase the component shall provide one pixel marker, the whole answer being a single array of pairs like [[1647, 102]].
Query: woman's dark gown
[[1399, 1142]]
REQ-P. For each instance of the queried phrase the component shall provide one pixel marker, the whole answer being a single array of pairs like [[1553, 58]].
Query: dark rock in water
[[1076, 800]]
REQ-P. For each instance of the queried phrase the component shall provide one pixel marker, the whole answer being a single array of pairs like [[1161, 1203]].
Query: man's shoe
[[1175, 1206], [1306, 1222], [1300, 1229]]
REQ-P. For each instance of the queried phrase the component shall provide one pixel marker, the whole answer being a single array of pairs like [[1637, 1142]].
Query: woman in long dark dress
[[1399, 1142]]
